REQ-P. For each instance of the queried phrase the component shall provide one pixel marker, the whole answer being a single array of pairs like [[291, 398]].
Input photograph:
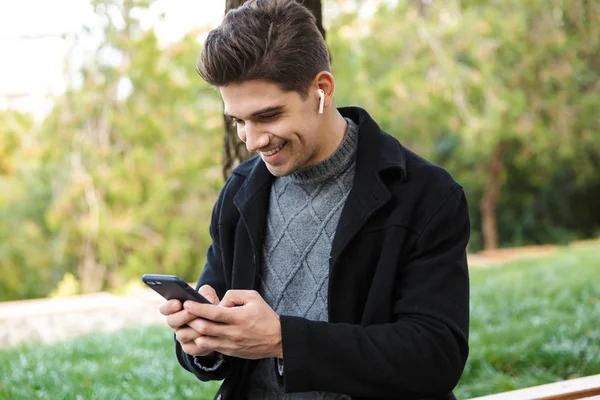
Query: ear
[[324, 81]]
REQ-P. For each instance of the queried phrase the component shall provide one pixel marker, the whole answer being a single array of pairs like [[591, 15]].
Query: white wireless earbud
[[321, 100]]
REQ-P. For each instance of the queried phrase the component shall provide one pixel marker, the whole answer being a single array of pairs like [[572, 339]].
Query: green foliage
[[455, 80], [121, 176], [130, 176], [25, 251]]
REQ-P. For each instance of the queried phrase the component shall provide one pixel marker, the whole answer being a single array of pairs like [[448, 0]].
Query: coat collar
[[377, 151]]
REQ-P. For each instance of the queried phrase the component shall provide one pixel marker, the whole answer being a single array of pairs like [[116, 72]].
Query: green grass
[[532, 322], [131, 364]]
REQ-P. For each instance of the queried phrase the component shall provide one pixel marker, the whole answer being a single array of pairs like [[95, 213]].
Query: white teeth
[[273, 151]]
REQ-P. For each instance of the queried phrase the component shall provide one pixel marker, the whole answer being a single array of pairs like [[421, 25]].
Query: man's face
[[280, 126]]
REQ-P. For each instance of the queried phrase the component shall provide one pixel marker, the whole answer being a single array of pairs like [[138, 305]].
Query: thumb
[[235, 298], [210, 294]]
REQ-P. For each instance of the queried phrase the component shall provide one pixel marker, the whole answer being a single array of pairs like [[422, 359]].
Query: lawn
[[532, 322], [129, 365]]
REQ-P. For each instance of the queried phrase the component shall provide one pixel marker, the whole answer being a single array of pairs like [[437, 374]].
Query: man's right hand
[[178, 319]]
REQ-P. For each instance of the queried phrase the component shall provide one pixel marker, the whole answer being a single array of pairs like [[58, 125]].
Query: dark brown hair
[[274, 40]]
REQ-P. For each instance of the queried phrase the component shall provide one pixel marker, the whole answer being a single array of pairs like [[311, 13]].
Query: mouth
[[273, 151]]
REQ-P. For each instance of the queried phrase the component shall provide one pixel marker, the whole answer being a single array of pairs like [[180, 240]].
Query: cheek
[[298, 131], [310, 134], [285, 129]]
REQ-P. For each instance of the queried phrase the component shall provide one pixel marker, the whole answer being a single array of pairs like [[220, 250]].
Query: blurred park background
[[112, 153]]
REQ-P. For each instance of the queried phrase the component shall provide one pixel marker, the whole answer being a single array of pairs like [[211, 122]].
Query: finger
[[209, 344], [192, 349], [210, 294], [170, 307], [205, 327], [179, 319], [209, 311], [186, 334], [235, 298]]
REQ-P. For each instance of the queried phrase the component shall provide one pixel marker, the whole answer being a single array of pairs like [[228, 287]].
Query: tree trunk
[[489, 202], [234, 150], [91, 274]]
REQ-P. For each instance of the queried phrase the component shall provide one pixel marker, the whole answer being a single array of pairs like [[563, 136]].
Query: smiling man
[[337, 268]]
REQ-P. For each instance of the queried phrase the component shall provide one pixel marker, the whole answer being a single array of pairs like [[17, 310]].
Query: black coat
[[398, 285]]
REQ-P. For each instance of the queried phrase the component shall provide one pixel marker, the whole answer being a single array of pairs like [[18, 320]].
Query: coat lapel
[[377, 151], [252, 202]]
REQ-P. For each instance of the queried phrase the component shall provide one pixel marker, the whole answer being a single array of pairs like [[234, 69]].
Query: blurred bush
[[505, 95], [120, 177]]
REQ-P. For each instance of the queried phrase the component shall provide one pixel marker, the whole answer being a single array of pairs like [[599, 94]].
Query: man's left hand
[[242, 325]]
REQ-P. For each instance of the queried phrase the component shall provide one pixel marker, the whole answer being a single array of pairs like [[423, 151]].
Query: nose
[[253, 137]]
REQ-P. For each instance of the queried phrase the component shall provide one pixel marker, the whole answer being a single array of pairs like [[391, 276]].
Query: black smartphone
[[173, 287]]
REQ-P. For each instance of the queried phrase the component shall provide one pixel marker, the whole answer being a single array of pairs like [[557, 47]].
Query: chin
[[280, 170]]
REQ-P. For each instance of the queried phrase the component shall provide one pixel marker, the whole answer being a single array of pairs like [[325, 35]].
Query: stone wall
[[52, 320]]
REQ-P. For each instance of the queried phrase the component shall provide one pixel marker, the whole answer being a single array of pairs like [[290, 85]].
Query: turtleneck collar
[[335, 164]]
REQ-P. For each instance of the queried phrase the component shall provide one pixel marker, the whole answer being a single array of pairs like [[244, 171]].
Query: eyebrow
[[272, 109]]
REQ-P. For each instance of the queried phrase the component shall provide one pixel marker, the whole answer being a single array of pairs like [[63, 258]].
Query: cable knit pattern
[[304, 211]]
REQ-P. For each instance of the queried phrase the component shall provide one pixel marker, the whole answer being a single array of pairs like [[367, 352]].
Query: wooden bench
[[581, 388]]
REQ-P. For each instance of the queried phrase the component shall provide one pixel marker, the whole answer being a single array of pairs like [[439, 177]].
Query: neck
[[332, 129]]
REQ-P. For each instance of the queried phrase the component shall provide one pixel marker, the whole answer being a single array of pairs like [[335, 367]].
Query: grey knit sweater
[[304, 211]]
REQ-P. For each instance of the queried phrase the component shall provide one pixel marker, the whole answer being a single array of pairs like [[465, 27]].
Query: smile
[[272, 151]]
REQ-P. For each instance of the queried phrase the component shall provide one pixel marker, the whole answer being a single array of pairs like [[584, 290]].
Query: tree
[[234, 150], [25, 244], [481, 87], [135, 172]]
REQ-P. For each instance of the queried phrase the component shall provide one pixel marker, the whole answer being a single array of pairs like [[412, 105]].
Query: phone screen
[[172, 287]]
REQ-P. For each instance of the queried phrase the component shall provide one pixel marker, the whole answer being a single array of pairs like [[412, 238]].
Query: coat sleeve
[[205, 368], [421, 353]]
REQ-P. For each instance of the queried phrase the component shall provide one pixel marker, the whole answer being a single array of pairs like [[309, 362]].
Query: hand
[[243, 325], [179, 319]]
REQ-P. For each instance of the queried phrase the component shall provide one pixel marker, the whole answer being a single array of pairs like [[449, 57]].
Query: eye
[[269, 117]]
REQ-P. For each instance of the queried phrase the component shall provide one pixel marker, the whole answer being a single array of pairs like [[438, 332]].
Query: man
[[337, 268]]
